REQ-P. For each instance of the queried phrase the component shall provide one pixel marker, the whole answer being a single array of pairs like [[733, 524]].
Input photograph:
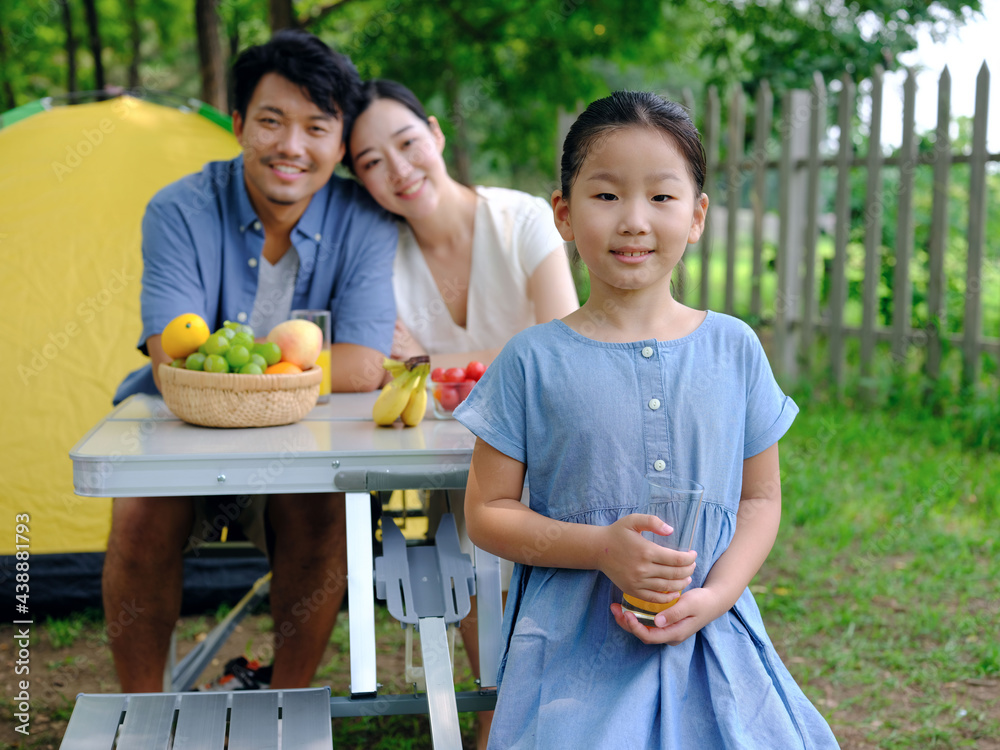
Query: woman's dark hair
[[381, 88], [328, 77], [629, 109]]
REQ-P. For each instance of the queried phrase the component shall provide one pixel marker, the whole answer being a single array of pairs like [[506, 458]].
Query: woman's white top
[[513, 233]]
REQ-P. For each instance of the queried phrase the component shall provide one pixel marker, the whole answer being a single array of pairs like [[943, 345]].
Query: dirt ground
[[58, 674]]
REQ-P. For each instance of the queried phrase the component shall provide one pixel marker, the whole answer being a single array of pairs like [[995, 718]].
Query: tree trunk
[[135, 41], [90, 6], [8, 89], [460, 143], [70, 46], [234, 51], [213, 73], [281, 15]]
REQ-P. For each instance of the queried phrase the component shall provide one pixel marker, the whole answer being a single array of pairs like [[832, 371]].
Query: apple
[[300, 342]]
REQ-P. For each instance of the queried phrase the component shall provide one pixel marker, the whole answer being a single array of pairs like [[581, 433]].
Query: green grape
[[237, 356], [195, 361], [217, 343], [242, 339], [216, 363], [270, 351]]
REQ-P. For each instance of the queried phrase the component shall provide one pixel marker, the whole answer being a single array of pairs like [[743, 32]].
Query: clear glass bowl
[[445, 397]]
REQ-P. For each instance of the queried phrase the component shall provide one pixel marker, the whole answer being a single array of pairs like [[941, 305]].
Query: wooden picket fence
[[797, 318]]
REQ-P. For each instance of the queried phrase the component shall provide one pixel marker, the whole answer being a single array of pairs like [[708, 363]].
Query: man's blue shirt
[[201, 250]]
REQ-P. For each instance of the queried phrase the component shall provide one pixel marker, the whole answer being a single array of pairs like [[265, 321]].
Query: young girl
[[473, 265], [633, 384]]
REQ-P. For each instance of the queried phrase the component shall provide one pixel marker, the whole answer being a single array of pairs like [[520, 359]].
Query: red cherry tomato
[[464, 389], [437, 374], [474, 370], [450, 397], [454, 375]]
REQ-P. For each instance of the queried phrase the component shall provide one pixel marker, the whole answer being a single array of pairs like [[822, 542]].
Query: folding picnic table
[[141, 449]]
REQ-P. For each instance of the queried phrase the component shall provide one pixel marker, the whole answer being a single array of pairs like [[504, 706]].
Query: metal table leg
[[360, 594], [443, 709]]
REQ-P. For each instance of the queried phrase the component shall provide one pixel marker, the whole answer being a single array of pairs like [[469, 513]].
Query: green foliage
[[784, 42], [496, 74], [956, 245]]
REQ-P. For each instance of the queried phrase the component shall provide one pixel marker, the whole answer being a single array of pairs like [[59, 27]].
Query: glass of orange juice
[[322, 319], [678, 503]]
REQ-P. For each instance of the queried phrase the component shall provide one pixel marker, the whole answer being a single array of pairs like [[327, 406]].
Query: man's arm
[[363, 307], [355, 368], [171, 281], [156, 356]]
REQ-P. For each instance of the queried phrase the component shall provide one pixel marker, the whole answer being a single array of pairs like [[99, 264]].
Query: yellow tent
[[74, 181]]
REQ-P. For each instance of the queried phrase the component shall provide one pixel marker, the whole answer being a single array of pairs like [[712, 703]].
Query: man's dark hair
[[329, 78]]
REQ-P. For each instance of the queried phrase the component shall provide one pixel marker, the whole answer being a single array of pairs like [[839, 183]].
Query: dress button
[[242, 317], [647, 352], [256, 225], [252, 263], [654, 403], [659, 464], [318, 237]]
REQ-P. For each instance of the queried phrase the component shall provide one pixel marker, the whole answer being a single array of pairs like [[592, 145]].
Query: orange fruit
[[282, 368], [183, 335]]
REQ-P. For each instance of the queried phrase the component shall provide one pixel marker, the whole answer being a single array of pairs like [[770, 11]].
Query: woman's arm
[[551, 288], [498, 522], [757, 524]]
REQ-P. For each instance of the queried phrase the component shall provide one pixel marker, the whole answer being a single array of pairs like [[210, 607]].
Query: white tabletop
[[141, 449]]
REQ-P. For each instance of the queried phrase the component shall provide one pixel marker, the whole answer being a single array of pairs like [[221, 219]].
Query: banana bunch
[[405, 395]]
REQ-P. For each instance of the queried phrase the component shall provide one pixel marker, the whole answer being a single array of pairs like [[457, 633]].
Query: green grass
[[63, 632], [388, 732], [883, 584]]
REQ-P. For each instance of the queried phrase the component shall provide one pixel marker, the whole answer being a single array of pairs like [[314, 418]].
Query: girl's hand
[[695, 610], [404, 345], [640, 567]]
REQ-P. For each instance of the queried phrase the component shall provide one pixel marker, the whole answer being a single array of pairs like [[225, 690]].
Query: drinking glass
[[322, 319], [678, 503]]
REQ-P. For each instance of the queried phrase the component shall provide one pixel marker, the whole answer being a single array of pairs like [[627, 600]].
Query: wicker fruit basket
[[212, 399]]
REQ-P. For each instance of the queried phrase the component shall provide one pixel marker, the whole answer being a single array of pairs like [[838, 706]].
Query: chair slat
[[305, 720], [94, 722], [253, 721], [201, 722], [148, 721]]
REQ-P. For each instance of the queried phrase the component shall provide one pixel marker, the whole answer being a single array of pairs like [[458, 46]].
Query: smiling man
[[249, 240]]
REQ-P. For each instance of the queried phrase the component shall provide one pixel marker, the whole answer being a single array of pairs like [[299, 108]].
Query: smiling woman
[[474, 265]]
